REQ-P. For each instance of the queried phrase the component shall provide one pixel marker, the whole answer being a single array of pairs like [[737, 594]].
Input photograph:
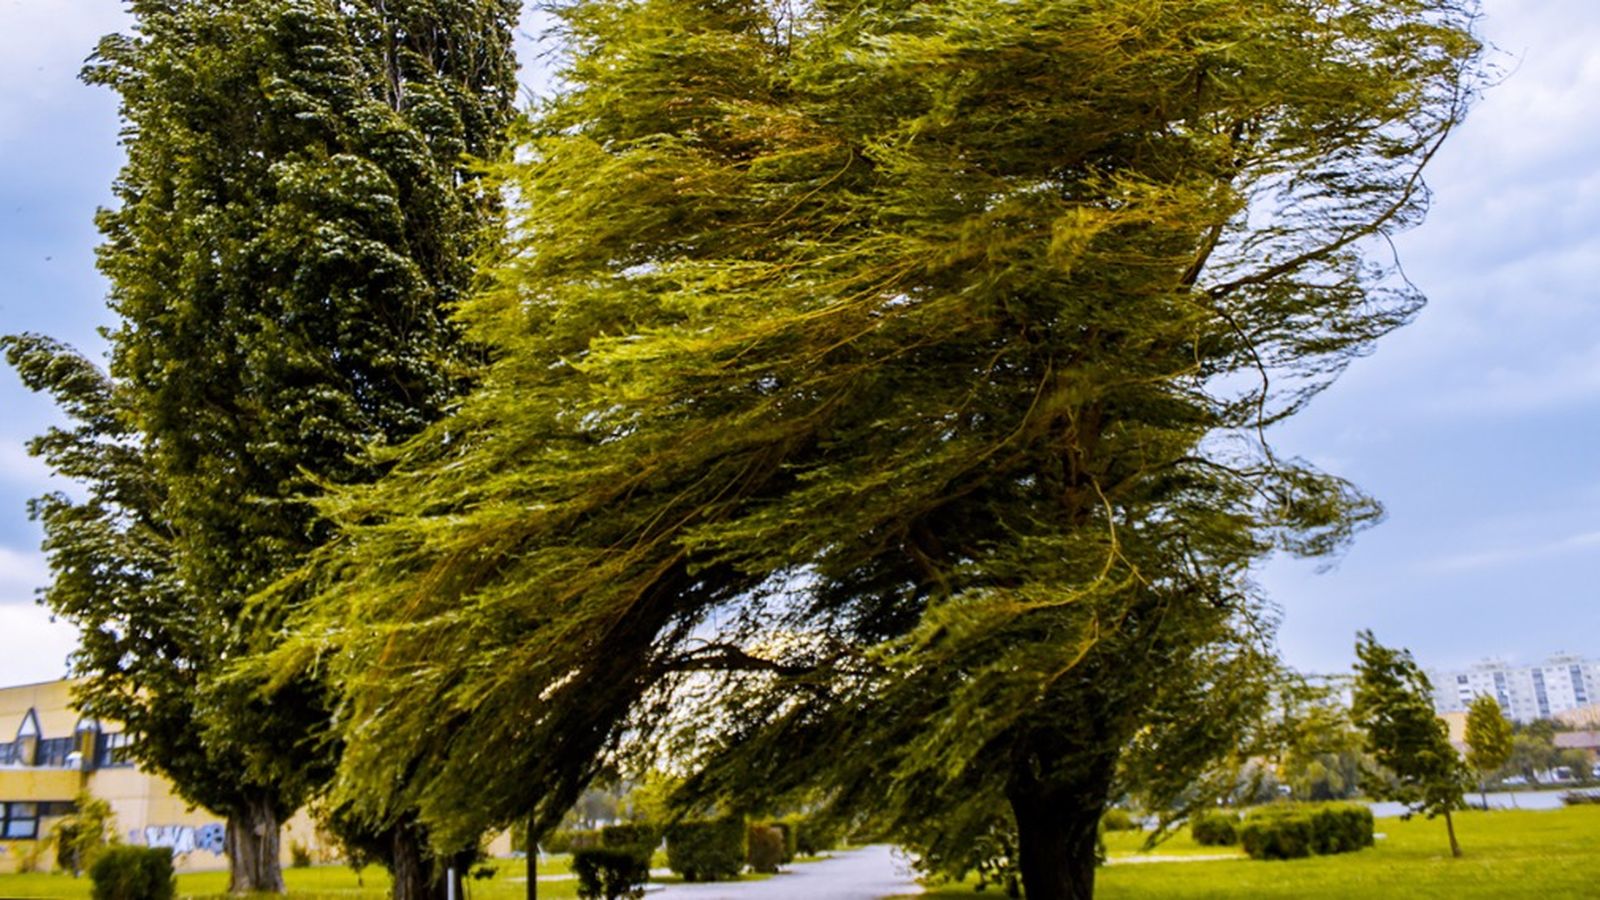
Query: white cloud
[[20, 574], [33, 648], [1512, 555]]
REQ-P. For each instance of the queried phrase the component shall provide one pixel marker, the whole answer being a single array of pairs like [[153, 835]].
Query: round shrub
[[631, 835], [133, 873], [609, 873], [1116, 818], [1215, 828], [707, 850]]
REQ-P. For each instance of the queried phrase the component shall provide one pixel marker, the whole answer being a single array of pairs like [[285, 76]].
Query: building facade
[[1560, 684], [49, 754]]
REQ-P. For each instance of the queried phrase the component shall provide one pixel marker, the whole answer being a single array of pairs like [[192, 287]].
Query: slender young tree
[[908, 363], [1489, 741], [294, 223], [1393, 704]]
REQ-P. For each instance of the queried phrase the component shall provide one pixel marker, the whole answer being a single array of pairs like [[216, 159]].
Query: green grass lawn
[[1508, 854], [318, 883]]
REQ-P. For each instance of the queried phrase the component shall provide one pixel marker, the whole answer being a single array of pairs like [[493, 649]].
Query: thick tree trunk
[[408, 867], [1058, 826], [253, 864]]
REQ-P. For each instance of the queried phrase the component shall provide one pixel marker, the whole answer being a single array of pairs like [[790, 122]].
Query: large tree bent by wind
[[941, 338]]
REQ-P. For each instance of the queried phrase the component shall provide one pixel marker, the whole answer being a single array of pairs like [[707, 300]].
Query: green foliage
[[813, 834], [1290, 831], [902, 366], [1489, 738], [299, 855], [631, 835], [133, 873], [764, 850], [1116, 818], [611, 872], [292, 226], [1215, 828], [83, 835], [707, 850], [1393, 704]]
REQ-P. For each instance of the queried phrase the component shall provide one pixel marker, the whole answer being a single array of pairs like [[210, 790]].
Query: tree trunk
[[408, 866], [1450, 826], [1058, 827], [253, 864]]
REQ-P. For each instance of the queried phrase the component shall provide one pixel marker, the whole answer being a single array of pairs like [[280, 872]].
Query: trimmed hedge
[[764, 850], [564, 840], [610, 873], [707, 850], [812, 837], [1214, 828], [631, 835], [1292, 831], [133, 873], [1115, 818]]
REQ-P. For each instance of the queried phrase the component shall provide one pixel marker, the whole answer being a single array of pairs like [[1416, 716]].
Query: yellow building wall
[[147, 811]]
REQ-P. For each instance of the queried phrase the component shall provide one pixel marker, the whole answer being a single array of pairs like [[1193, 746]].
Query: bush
[[1340, 828], [708, 850], [1290, 832], [607, 873], [133, 873], [1118, 819], [1214, 828], [1276, 833], [299, 855], [765, 848], [635, 835], [566, 840], [811, 836]]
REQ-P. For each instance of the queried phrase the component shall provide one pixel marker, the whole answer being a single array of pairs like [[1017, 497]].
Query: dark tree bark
[[253, 863], [1058, 812], [408, 867]]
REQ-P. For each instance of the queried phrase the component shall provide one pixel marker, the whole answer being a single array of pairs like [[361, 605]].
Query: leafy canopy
[[905, 363]]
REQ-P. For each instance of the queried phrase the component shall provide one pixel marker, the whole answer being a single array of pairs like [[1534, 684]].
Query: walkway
[[869, 873]]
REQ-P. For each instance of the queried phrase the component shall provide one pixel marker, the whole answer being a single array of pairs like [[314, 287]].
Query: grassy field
[[317, 883], [1508, 854]]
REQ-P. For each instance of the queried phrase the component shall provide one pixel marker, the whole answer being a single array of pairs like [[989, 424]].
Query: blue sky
[[1477, 425]]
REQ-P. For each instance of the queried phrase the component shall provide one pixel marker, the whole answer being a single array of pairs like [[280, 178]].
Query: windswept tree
[[1489, 741], [1393, 704], [295, 220], [900, 371]]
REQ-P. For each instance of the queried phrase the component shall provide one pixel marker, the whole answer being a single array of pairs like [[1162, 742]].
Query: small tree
[[1392, 706], [81, 836], [1488, 741]]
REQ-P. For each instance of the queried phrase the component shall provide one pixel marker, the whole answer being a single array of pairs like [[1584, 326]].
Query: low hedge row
[[1214, 828], [1291, 831]]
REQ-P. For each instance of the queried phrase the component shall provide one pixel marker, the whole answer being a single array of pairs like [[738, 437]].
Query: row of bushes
[[614, 861], [1287, 831]]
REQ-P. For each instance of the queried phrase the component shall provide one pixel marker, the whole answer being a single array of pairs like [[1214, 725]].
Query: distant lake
[[1497, 800]]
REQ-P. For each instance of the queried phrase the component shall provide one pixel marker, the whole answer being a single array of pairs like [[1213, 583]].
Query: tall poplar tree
[[910, 362], [294, 223]]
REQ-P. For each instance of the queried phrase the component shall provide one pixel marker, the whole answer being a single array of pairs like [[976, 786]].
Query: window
[[19, 821], [52, 753], [8, 754], [113, 750]]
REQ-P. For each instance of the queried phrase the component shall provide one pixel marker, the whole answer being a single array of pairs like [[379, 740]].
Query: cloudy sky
[[1477, 426]]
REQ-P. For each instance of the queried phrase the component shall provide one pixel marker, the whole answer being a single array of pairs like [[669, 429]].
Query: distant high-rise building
[[1560, 683]]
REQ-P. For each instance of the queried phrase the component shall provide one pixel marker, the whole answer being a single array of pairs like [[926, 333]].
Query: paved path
[[869, 873]]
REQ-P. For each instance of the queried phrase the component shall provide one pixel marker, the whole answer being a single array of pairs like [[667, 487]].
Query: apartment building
[[1560, 684]]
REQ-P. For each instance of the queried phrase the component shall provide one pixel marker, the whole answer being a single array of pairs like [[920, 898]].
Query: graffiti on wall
[[183, 838]]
